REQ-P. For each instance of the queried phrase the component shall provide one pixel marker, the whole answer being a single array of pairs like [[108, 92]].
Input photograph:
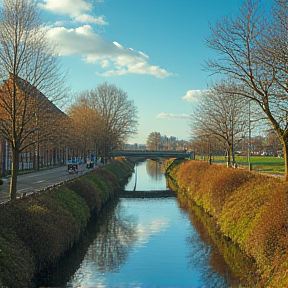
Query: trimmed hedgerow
[[250, 209], [120, 169], [35, 231], [172, 166], [216, 185], [16, 264], [89, 192], [256, 217]]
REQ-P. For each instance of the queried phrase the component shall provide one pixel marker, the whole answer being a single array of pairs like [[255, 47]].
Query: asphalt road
[[33, 181]]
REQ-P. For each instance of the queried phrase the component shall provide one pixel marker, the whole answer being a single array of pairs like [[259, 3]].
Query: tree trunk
[[285, 155], [230, 155], [15, 169]]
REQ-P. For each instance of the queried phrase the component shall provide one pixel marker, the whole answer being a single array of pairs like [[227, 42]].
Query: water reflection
[[111, 247], [109, 250], [210, 276], [148, 176], [155, 246], [225, 258], [155, 169], [105, 245]]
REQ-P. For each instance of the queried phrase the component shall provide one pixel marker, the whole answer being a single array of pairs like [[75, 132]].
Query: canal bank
[[35, 231], [250, 210]]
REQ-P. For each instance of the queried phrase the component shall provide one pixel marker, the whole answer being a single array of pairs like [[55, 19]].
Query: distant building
[[135, 146], [36, 106]]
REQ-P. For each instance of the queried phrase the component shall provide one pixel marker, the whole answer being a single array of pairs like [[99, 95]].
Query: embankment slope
[[250, 209]]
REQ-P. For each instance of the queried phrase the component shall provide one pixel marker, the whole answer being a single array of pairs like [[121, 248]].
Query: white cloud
[[97, 50], [193, 95], [171, 115], [72, 8], [85, 18], [154, 227]]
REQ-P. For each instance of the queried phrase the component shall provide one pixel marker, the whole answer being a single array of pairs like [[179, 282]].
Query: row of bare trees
[[251, 48], [225, 119], [33, 80], [266, 144], [156, 141], [221, 117]]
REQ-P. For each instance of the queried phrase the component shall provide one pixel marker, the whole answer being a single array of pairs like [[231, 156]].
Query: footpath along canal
[[149, 242]]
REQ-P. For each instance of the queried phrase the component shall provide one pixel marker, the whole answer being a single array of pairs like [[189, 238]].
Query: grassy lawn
[[264, 163], [273, 165]]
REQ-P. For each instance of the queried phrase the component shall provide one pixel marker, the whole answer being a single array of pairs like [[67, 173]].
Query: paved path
[[33, 181]]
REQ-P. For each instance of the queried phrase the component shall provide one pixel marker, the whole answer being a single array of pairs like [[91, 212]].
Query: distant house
[[135, 146]]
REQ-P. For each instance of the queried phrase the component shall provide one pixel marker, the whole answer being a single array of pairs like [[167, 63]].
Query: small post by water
[[135, 179]]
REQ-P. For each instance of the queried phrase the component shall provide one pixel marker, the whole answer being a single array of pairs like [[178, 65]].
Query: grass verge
[[268, 164]]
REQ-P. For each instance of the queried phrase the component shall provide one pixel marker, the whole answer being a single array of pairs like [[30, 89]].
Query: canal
[[144, 243]]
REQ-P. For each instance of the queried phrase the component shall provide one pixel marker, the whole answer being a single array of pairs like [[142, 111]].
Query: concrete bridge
[[151, 154]]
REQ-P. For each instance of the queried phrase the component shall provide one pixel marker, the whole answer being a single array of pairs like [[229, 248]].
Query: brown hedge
[[251, 209]]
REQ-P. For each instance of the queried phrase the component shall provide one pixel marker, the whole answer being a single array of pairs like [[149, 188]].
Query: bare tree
[[246, 56], [153, 140], [275, 45], [119, 115], [272, 143], [221, 115], [28, 65]]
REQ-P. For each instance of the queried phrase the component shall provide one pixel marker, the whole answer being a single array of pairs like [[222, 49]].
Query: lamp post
[[233, 144]]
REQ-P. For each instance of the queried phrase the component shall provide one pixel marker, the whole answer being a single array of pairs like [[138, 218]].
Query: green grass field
[[273, 165]]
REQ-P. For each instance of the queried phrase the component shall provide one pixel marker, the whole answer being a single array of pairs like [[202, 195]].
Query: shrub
[[172, 166], [105, 187], [189, 177], [76, 206], [36, 230], [16, 264], [90, 193], [256, 218], [47, 223], [120, 168], [217, 184], [250, 209]]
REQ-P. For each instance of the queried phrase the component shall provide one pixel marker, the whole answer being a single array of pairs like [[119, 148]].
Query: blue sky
[[152, 49]]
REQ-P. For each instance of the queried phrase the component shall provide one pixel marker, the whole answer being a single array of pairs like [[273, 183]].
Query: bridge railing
[[152, 153]]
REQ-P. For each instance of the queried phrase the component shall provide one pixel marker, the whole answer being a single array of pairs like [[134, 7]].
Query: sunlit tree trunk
[[285, 155], [15, 170]]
